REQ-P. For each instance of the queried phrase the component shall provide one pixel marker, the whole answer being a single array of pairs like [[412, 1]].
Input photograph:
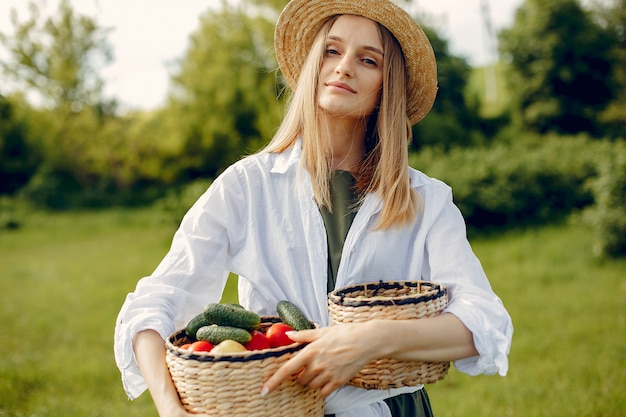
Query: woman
[[328, 203]]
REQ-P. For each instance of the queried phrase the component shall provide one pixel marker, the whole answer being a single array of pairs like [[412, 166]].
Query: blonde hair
[[384, 167]]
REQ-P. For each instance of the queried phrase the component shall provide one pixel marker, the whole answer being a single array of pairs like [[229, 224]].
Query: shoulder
[[435, 194], [437, 198], [269, 162], [422, 182], [258, 170]]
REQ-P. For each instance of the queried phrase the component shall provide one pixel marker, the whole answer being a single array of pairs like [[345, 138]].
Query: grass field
[[63, 278]]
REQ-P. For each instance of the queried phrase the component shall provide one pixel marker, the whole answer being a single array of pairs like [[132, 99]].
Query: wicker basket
[[230, 384], [391, 300]]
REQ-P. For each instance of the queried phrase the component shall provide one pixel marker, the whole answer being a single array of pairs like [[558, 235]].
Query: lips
[[340, 84]]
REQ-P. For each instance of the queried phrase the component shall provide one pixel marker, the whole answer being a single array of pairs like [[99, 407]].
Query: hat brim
[[300, 20]]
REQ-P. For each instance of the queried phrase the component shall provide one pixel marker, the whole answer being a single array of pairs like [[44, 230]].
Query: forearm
[[442, 338], [150, 355], [334, 354]]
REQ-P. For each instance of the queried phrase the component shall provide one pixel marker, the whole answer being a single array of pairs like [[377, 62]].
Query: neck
[[347, 141]]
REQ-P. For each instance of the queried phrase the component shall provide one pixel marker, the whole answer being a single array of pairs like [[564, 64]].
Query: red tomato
[[276, 334], [185, 346], [201, 346], [258, 342]]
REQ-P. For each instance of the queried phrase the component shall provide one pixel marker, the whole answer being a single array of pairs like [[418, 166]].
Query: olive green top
[[344, 207], [344, 200]]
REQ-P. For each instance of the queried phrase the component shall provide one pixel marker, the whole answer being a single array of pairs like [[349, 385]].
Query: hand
[[333, 356]]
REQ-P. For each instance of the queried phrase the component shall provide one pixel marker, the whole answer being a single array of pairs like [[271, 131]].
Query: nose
[[344, 66]]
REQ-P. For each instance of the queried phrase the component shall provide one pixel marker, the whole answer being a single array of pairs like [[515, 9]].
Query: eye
[[331, 51], [370, 61]]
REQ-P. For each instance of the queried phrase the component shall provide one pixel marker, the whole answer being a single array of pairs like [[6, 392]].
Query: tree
[[57, 60], [612, 17], [452, 121], [224, 95], [18, 158], [561, 65]]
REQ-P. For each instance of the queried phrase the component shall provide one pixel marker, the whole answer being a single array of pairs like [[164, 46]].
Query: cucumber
[[194, 324], [217, 334], [291, 315], [230, 315]]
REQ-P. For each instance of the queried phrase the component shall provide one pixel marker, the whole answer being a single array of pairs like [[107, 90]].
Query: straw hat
[[300, 20]]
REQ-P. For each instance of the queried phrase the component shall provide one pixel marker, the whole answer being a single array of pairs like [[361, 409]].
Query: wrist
[[379, 335], [389, 337]]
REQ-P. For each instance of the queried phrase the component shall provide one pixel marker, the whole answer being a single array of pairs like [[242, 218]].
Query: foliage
[[178, 200], [18, 157], [561, 67], [224, 94], [528, 181], [612, 17], [57, 61], [453, 121], [71, 149], [608, 215], [493, 103]]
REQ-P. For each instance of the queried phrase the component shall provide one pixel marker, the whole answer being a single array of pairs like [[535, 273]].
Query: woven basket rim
[[234, 356], [341, 296]]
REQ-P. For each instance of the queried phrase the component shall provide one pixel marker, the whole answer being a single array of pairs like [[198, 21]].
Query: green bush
[[526, 182], [444, 131], [178, 200], [18, 157], [57, 188], [608, 215]]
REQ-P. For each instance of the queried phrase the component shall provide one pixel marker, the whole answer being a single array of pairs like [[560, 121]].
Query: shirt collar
[[292, 155], [288, 158]]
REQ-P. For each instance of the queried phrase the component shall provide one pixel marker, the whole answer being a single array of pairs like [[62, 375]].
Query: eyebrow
[[366, 47]]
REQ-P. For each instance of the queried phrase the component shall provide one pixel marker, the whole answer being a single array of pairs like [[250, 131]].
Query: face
[[352, 69]]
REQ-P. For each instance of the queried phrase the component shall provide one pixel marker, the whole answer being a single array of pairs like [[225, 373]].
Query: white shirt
[[260, 221]]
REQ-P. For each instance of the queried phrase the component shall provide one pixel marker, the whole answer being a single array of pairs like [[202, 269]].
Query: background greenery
[[64, 144], [65, 276], [90, 196]]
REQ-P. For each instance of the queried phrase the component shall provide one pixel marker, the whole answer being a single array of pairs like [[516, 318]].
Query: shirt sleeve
[[350, 401], [192, 274], [452, 263]]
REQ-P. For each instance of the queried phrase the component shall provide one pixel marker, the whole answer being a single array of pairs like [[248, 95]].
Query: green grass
[[568, 356], [63, 278]]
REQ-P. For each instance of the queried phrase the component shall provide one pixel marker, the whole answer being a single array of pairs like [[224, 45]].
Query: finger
[[291, 367], [325, 383], [303, 336], [312, 379], [329, 388], [306, 376]]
